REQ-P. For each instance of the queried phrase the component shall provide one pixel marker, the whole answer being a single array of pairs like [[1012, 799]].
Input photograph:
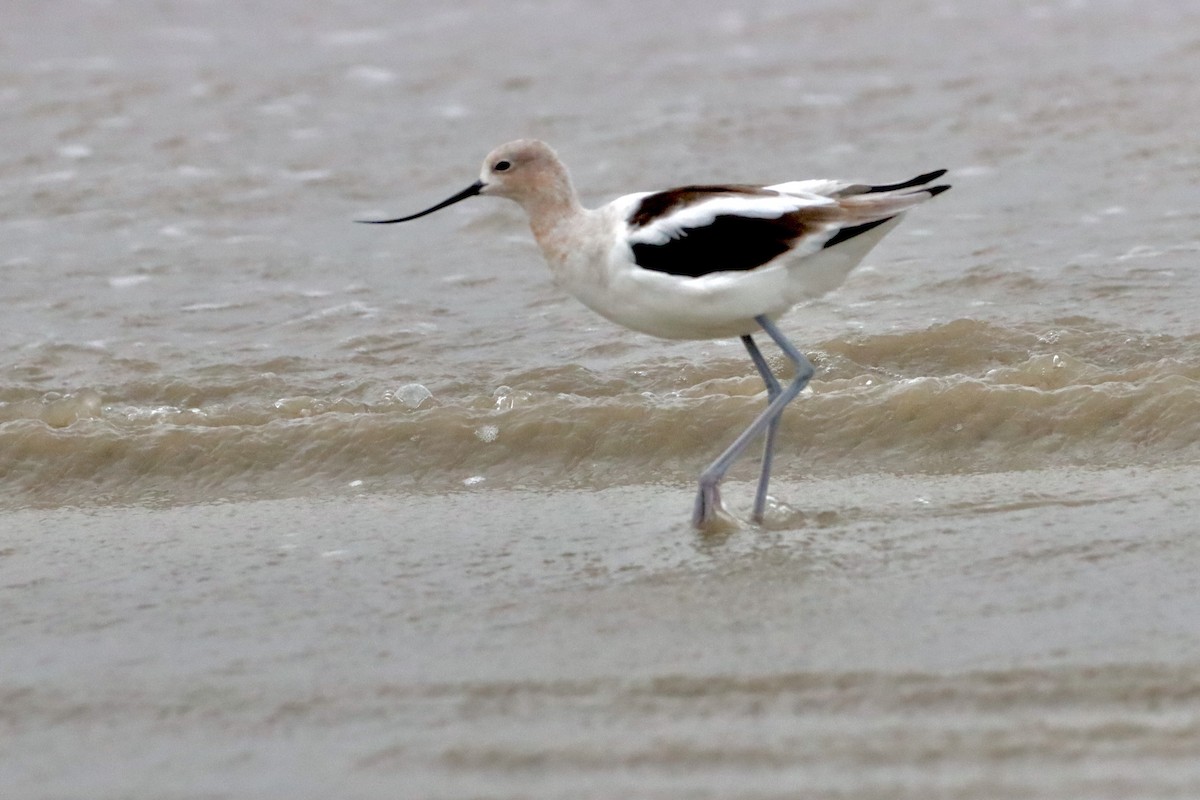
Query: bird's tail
[[864, 204]]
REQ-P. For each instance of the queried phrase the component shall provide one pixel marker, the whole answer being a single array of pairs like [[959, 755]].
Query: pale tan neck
[[553, 207], [553, 201]]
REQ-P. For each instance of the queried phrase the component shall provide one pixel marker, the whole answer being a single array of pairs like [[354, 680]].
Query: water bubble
[[503, 397], [507, 398], [487, 433], [474, 480], [412, 395]]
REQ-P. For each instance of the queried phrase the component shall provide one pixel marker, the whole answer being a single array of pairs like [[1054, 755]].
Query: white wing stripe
[[699, 215]]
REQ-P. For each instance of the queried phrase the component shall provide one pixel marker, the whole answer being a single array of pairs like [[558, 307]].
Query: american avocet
[[701, 262]]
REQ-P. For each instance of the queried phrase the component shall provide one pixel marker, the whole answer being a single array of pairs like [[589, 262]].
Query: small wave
[[961, 397]]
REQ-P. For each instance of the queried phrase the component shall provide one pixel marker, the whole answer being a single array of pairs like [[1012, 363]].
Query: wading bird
[[701, 262]]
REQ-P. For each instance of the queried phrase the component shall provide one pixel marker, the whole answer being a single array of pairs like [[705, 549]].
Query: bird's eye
[[500, 166]]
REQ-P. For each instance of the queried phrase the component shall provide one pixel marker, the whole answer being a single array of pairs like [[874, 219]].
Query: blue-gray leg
[[708, 500], [773, 390]]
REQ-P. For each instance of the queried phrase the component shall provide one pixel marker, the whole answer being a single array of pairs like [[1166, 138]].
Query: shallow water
[[310, 504], [964, 396]]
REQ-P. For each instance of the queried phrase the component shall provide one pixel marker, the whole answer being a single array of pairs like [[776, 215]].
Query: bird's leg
[[708, 500], [773, 390], [804, 373]]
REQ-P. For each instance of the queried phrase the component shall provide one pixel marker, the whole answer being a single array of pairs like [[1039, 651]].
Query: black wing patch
[[728, 243], [851, 231]]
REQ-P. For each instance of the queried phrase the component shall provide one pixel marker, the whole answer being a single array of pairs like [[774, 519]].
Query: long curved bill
[[472, 190]]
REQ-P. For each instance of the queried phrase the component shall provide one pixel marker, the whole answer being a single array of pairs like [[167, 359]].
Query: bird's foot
[[778, 516], [709, 516]]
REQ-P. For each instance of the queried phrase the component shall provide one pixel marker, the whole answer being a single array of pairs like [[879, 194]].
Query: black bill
[[472, 190]]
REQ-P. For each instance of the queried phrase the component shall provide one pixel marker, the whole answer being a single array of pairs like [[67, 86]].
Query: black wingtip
[[934, 191], [920, 180]]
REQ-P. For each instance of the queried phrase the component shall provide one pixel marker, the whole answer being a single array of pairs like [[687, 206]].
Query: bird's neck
[[554, 211], [554, 202]]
